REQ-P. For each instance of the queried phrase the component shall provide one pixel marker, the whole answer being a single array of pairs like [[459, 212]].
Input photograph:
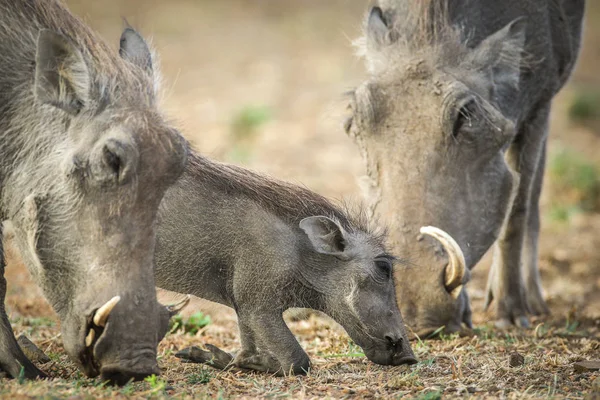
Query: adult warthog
[[85, 160], [453, 123]]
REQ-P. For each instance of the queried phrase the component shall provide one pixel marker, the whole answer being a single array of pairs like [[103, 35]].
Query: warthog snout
[[394, 350], [132, 360], [117, 340], [436, 299]]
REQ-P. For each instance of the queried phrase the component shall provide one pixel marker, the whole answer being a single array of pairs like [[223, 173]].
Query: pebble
[[516, 359], [587, 366]]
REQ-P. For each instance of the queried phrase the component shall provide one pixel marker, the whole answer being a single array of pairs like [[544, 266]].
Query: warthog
[[453, 122], [86, 159], [262, 246]]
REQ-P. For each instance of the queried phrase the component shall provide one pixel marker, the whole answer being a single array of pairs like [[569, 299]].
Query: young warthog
[[86, 159], [262, 246], [453, 123]]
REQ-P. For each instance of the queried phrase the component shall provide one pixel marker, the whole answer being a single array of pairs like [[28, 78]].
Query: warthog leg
[[531, 273], [12, 359], [212, 356], [222, 360], [516, 249]]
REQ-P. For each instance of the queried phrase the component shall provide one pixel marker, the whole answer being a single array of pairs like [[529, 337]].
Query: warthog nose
[[394, 342]]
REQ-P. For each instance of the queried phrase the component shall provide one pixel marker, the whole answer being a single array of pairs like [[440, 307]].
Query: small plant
[[575, 185], [21, 377], [448, 336], [35, 322], [156, 385], [248, 120], [571, 324], [353, 351], [437, 332], [405, 381], [426, 363], [431, 395], [245, 127], [203, 377], [585, 106], [192, 325], [128, 389], [560, 213]]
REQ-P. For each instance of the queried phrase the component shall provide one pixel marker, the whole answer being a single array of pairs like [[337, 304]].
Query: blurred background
[[260, 83]]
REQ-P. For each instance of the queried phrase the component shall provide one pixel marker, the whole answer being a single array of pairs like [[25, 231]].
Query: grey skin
[[86, 159], [262, 246], [452, 122]]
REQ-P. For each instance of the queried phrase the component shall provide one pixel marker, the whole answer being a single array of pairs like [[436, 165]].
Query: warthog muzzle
[[392, 353], [133, 355]]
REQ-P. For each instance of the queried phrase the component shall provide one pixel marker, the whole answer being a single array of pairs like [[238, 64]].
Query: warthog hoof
[[510, 303]]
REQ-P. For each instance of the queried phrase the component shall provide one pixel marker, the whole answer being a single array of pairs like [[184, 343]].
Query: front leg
[[279, 352], [276, 342], [505, 283], [249, 357], [12, 359]]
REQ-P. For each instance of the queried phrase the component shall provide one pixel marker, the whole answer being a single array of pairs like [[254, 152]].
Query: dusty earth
[[260, 83]]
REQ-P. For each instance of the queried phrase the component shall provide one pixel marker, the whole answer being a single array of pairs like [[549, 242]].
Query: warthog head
[[88, 230], [358, 289], [433, 121]]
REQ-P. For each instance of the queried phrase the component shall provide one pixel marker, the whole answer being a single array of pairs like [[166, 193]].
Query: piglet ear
[[62, 78], [325, 235]]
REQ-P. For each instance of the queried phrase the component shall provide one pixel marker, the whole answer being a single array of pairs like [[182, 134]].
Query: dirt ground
[[260, 83]]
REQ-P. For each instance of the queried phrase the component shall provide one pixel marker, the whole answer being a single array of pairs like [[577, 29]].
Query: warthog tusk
[[89, 339], [176, 307], [456, 269], [103, 312]]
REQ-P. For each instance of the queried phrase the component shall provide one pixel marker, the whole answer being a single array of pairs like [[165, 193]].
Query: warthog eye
[[466, 118], [384, 265], [112, 160]]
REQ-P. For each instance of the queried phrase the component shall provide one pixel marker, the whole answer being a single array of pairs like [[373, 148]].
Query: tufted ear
[[379, 30], [133, 48], [501, 56], [325, 235], [62, 77]]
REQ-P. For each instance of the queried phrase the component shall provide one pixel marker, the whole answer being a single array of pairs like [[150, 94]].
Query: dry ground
[[259, 83]]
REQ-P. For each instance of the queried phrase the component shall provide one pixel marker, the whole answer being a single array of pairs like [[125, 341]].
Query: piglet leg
[[213, 356]]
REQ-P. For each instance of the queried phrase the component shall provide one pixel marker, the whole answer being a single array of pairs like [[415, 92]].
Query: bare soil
[[292, 61]]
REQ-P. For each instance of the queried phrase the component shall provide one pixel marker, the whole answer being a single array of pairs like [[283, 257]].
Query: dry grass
[[474, 364]]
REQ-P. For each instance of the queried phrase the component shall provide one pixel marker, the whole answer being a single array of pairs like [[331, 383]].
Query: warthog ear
[[134, 49], [379, 30], [326, 235], [62, 77], [501, 56]]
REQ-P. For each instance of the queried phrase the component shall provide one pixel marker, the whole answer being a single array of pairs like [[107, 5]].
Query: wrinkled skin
[[454, 137], [87, 157], [264, 248]]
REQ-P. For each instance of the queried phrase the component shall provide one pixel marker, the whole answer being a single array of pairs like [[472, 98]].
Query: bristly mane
[[290, 202], [422, 31], [418, 29], [111, 76]]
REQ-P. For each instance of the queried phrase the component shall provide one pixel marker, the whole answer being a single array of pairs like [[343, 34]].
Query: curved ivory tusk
[[103, 312], [176, 307], [89, 339], [456, 266]]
